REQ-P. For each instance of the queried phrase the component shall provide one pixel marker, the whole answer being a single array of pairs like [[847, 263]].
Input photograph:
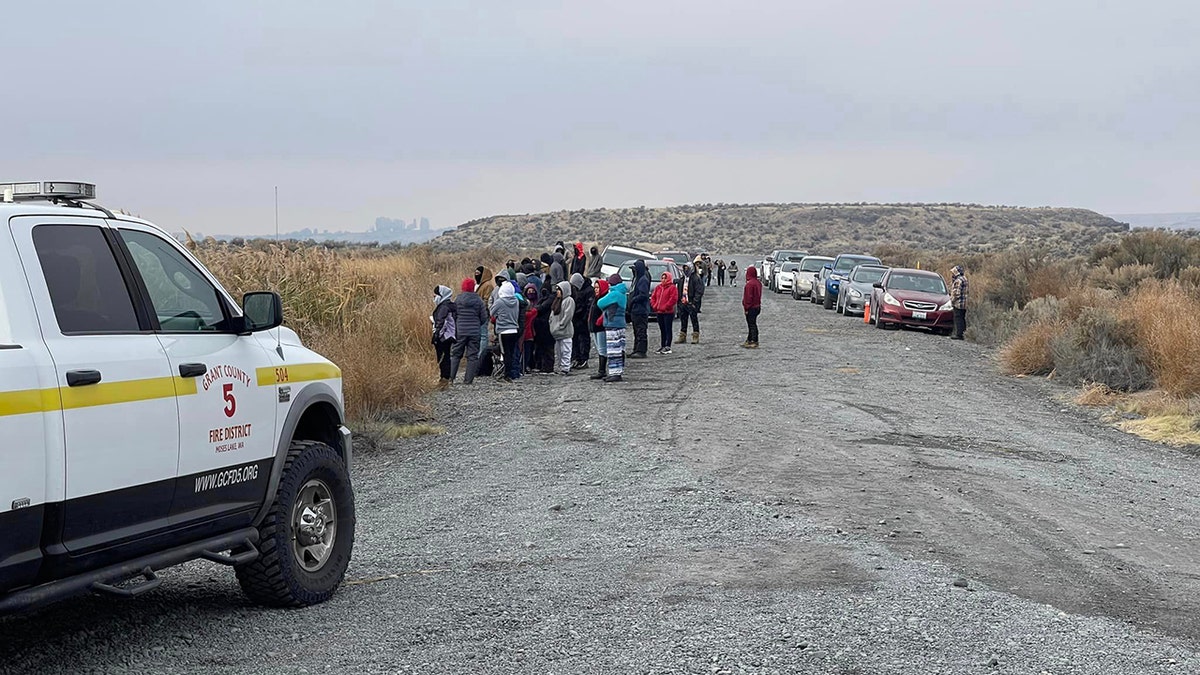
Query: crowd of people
[[550, 314]]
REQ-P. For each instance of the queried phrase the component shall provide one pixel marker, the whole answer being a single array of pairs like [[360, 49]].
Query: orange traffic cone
[[867, 312]]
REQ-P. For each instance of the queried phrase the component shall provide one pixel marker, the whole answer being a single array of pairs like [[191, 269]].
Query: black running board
[[107, 579]]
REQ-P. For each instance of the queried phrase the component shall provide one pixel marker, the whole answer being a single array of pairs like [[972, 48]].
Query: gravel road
[[842, 500]]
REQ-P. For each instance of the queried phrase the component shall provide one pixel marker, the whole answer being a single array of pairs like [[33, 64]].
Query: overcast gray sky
[[190, 113]]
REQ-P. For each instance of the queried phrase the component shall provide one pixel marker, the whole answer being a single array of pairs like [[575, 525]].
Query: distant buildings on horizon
[[384, 231]]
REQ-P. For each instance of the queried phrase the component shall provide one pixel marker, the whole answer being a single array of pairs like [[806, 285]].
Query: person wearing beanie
[[582, 344], [579, 261], [691, 292], [562, 326], [752, 306], [596, 327], [613, 305], [662, 302], [443, 330], [472, 316], [594, 264]]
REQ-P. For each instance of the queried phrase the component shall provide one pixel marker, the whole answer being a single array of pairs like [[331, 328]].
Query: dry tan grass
[[1167, 320], [367, 311], [1097, 395], [1029, 351]]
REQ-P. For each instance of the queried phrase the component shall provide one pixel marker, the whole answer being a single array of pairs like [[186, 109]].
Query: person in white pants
[[562, 326]]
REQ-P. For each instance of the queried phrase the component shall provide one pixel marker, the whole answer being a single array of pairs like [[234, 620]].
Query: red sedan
[[908, 297]]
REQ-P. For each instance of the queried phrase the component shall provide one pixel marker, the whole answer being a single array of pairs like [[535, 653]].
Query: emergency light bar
[[11, 192]]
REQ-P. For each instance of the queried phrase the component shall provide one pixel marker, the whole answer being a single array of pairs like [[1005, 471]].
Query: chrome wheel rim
[[314, 525]]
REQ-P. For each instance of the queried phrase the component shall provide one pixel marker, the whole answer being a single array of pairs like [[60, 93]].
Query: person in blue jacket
[[613, 306]]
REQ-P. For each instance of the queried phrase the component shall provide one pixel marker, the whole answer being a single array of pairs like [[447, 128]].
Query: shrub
[[1166, 318], [1029, 351], [1100, 348]]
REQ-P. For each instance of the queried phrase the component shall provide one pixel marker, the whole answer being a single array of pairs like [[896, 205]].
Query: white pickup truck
[[150, 420]]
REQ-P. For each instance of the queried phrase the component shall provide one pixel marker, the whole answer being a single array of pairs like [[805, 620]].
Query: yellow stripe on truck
[[92, 395], [28, 401], [306, 372]]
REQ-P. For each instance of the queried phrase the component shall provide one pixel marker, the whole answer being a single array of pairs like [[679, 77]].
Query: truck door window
[[183, 298], [87, 290]]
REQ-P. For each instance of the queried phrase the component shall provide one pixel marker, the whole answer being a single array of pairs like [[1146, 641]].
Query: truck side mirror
[[263, 310]]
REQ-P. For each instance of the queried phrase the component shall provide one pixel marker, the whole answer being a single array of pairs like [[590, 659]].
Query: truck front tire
[[307, 535]]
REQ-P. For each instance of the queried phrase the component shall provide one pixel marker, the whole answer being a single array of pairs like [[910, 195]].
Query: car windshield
[[868, 275], [677, 256], [814, 264], [790, 255], [917, 282], [789, 267], [845, 264], [612, 257]]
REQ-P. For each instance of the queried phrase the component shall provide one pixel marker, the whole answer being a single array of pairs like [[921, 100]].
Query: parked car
[[679, 257], [837, 272], [912, 298], [615, 255], [856, 290], [784, 277], [654, 267], [772, 263], [803, 281]]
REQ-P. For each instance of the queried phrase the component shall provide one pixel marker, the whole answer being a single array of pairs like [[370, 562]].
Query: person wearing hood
[[663, 302], [527, 336], [613, 305], [639, 309], [543, 341], [579, 262], [594, 263], [959, 294], [485, 285], [522, 319], [562, 326], [505, 314], [443, 330], [733, 273], [596, 327], [691, 292], [752, 306], [581, 341], [558, 269], [470, 315]]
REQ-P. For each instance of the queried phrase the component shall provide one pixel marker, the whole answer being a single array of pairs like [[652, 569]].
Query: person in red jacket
[[752, 304], [662, 303]]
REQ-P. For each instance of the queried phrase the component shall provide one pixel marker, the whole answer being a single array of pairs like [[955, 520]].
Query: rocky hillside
[[828, 228]]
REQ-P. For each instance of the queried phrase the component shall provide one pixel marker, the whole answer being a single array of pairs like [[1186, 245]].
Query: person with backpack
[[443, 330], [662, 302], [470, 315], [562, 326]]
